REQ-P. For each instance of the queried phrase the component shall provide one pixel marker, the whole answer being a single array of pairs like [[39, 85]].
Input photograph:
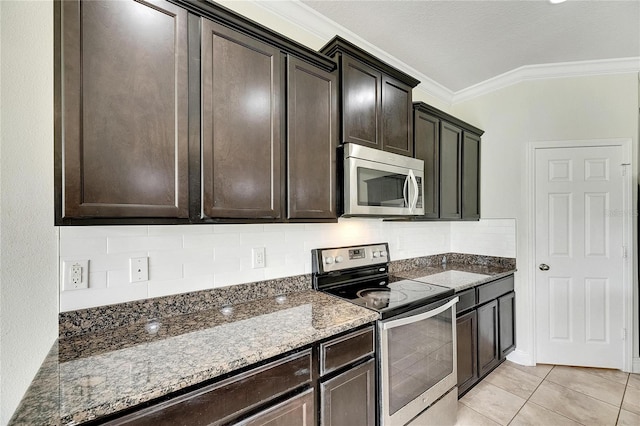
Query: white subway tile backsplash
[[98, 279], [164, 271], [180, 229], [245, 276], [126, 244], [184, 285], [79, 299], [118, 278], [185, 258], [102, 231], [237, 229], [83, 248]]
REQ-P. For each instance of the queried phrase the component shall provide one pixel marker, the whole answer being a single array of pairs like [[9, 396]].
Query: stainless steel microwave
[[379, 183]]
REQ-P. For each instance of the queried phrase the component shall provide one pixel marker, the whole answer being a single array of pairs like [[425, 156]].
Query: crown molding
[[308, 19], [311, 21], [548, 71]]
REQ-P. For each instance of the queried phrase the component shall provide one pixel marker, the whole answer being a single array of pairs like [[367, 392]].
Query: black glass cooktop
[[391, 295]]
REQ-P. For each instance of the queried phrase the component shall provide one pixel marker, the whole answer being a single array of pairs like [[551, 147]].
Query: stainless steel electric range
[[416, 335]]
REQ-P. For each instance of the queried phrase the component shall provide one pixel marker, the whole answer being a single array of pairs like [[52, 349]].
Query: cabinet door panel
[[450, 160], [296, 411], [467, 338], [488, 352], [471, 177], [349, 398], [397, 110], [507, 320], [124, 109], [427, 138], [312, 141], [361, 87], [241, 119]]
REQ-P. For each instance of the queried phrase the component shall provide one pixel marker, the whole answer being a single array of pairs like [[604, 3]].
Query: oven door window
[[420, 354]]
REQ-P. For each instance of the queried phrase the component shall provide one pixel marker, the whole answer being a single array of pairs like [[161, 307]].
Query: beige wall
[[29, 303], [595, 107]]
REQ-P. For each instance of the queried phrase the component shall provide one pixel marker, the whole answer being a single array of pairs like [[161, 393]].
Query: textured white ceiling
[[462, 43]]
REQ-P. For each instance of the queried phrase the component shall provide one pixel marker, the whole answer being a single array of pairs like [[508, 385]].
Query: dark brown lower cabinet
[[349, 398], [488, 352], [467, 338], [507, 317], [485, 327]]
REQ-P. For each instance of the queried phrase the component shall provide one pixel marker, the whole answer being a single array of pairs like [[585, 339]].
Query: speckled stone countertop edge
[[451, 260], [203, 376], [483, 281], [41, 403]]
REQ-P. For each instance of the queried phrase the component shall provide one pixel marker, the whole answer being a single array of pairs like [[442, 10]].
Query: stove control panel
[[341, 258]]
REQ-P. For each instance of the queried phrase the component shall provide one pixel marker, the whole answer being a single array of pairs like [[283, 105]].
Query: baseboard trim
[[521, 357]]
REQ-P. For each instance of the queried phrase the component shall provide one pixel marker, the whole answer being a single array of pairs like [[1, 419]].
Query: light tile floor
[[548, 395]]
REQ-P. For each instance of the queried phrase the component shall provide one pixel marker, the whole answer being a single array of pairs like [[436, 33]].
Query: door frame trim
[[627, 229]]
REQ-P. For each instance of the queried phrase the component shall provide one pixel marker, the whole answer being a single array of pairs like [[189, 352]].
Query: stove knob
[[375, 254], [383, 253], [339, 259], [328, 260]]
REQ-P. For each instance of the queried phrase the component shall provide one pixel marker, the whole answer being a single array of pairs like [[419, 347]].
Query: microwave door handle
[[405, 196], [414, 181]]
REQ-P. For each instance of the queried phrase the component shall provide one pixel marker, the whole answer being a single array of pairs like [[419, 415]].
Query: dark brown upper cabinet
[[427, 149], [177, 112], [450, 171], [242, 135], [375, 99], [450, 149], [121, 136], [311, 141], [471, 176]]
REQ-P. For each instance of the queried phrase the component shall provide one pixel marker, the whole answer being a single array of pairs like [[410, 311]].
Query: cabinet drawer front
[[495, 289], [467, 300], [346, 349], [230, 398], [296, 411]]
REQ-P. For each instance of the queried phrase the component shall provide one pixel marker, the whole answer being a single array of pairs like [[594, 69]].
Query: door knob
[[543, 267]]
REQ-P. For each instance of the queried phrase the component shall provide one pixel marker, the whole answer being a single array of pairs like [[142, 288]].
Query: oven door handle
[[408, 320]]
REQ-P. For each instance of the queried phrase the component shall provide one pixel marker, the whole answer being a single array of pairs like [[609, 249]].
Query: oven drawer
[[345, 350], [495, 289]]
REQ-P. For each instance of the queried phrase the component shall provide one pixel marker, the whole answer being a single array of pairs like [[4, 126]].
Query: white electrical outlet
[[258, 257], [75, 274], [138, 269]]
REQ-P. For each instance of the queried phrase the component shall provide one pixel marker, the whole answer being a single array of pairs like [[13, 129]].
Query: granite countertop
[[88, 376], [458, 276]]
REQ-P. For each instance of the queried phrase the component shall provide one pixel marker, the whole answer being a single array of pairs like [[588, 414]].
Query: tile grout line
[[626, 386], [529, 397], [591, 396]]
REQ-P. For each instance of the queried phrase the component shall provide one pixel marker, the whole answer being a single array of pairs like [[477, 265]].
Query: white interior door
[[579, 236]]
